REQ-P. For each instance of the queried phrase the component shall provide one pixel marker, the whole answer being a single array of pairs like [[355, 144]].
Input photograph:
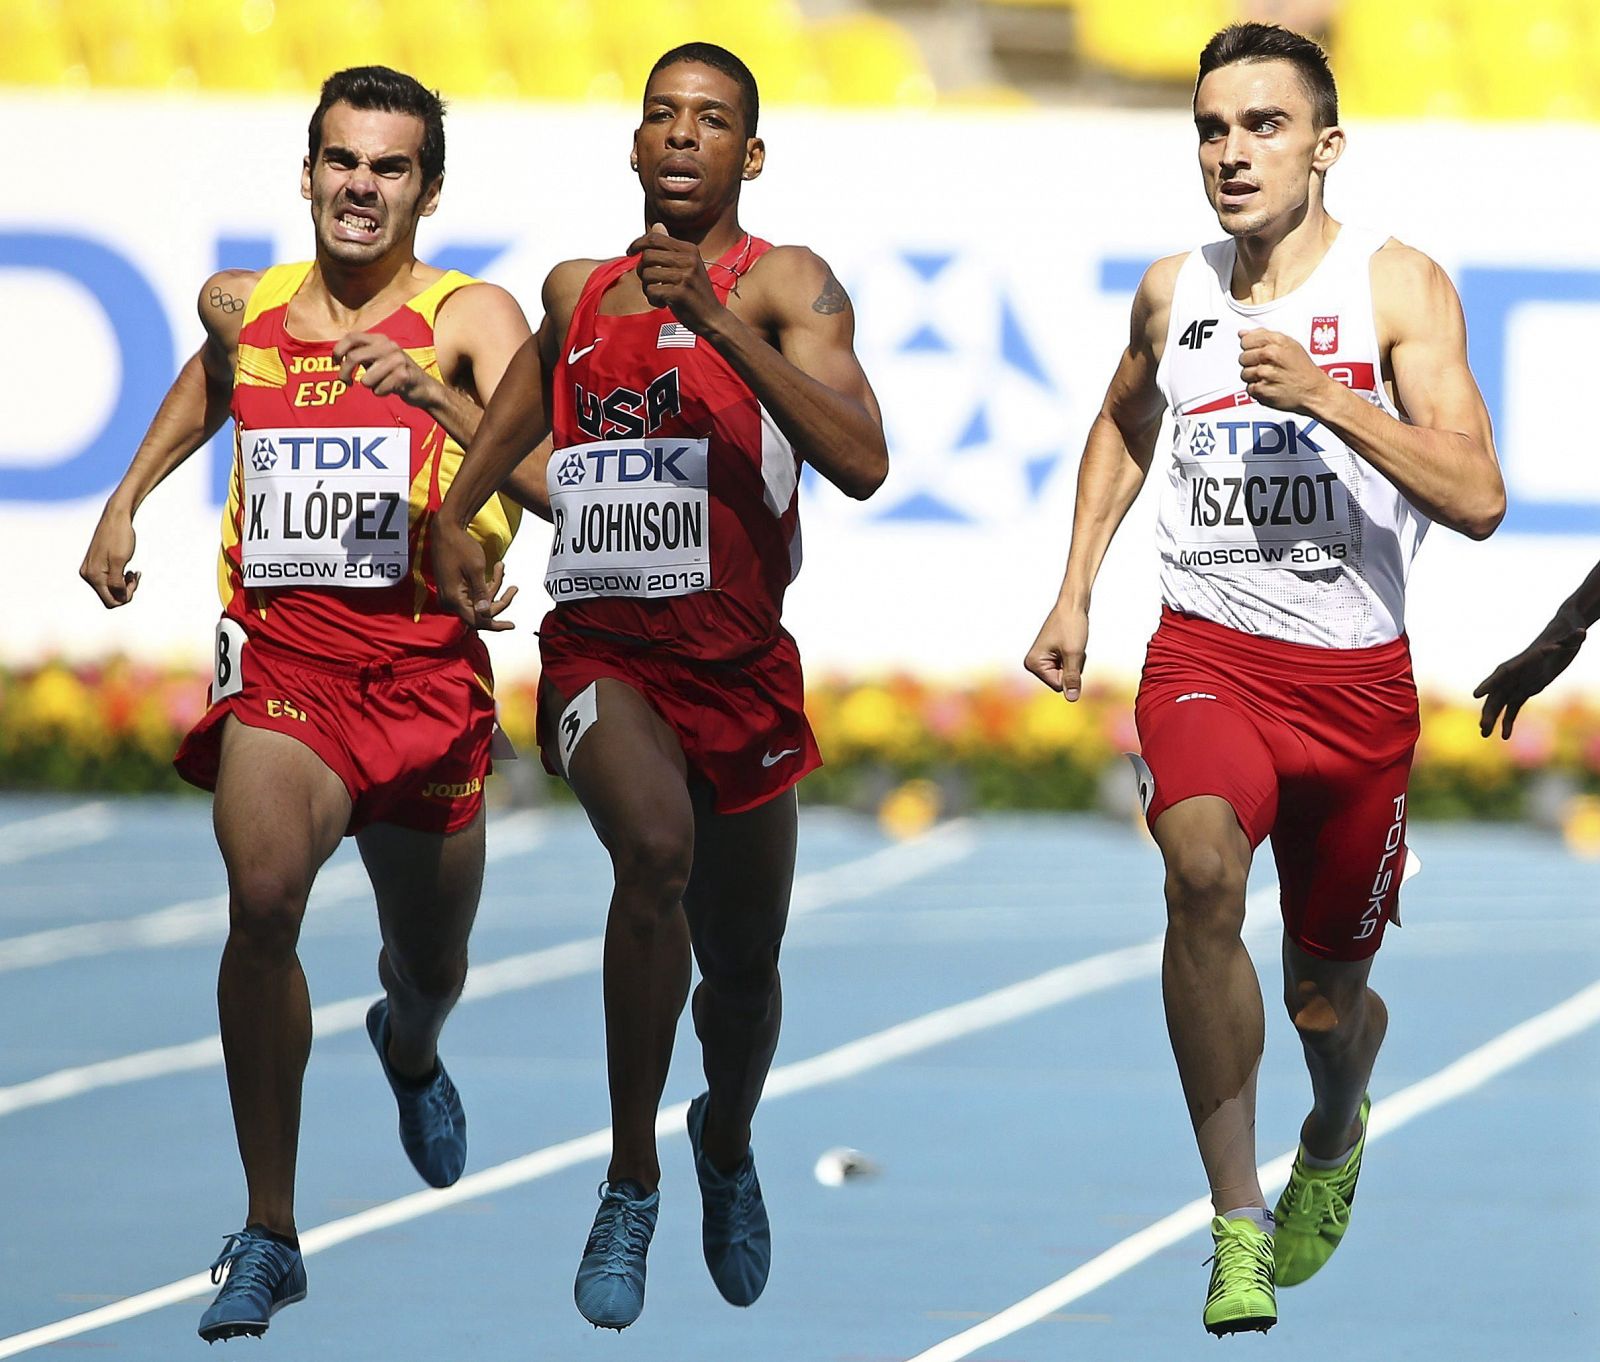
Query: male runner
[[1323, 414], [344, 701], [682, 383], [1518, 679]]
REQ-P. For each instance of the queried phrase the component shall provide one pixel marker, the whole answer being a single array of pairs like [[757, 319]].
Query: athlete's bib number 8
[[227, 673]]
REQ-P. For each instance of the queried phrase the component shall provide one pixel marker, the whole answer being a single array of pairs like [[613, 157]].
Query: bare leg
[[427, 886], [630, 775], [1212, 997], [279, 813], [1341, 1024], [737, 901]]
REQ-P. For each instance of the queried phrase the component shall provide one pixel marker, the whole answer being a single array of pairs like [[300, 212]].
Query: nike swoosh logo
[[772, 760], [573, 356]]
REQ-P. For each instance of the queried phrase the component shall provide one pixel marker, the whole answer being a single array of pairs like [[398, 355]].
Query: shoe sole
[[253, 1328], [1254, 1324]]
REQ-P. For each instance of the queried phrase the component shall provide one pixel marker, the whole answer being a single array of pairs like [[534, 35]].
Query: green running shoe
[[1241, 1297], [1314, 1211]]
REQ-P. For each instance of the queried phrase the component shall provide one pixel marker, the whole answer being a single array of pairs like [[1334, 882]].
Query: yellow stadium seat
[[872, 61], [636, 32], [37, 48], [453, 52], [553, 49], [1528, 59], [234, 45], [128, 44], [772, 39], [1150, 39], [1401, 62], [321, 38]]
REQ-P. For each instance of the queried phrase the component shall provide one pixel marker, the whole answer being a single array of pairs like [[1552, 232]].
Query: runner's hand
[[674, 276], [1516, 681], [106, 562], [1277, 371], [1057, 655], [381, 363], [465, 587]]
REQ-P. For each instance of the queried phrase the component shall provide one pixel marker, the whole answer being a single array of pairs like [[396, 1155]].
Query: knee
[[1324, 1018], [265, 908], [1205, 890], [652, 868], [434, 979], [746, 988]]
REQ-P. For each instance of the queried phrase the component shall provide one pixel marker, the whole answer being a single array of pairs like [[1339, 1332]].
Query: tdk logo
[[1255, 437], [617, 464], [325, 453], [263, 456]]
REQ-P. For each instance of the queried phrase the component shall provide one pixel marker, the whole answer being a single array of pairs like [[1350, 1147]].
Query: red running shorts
[[1311, 746], [408, 737], [742, 726]]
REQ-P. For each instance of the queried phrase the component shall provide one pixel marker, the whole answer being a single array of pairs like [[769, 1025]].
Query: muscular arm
[[811, 381], [194, 409], [1116, 459], [1442, 457]]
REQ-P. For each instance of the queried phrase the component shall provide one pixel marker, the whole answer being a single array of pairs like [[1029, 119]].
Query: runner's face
[[366, 187], [1259, 144], [690, 149]]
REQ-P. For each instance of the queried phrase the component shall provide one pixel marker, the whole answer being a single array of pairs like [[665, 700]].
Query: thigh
[[1195, 743], [1340, 846], [1319, 992], [737, 900], [279, 810], [427, 886]]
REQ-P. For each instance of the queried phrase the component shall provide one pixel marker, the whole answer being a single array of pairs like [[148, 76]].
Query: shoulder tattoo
[[832, 298], [224, 301]]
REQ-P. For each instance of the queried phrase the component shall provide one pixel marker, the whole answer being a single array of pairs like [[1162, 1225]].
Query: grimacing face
[[366, 188], [1260, 145], [690, 149]]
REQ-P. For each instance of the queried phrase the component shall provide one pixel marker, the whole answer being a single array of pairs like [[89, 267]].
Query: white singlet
[[1270, 524]]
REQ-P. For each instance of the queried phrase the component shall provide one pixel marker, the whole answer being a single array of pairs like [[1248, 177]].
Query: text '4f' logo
[[1197, 333], [1324, 335]]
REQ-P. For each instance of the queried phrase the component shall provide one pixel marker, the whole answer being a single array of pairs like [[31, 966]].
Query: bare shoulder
[[1152, 302], [564, 285], [1411, 293], [222, 301], [795, 280], [480, 303]]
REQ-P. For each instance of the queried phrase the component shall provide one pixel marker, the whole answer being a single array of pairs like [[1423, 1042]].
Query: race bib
[[632, 518], [227, 660], [1256, 488], [326, 507]]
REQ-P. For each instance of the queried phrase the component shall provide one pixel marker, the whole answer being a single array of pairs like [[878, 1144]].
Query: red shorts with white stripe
[[742, 725], [408, 737], [1311, 746]]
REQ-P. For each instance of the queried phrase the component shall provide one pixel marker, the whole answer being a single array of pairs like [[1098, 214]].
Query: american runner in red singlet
[[1322, 415], [345, 700], [681, 384]]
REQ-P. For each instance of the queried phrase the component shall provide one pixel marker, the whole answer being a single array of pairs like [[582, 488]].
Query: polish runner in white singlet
[[1322, 414]]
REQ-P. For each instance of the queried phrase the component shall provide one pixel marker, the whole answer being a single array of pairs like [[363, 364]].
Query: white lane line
[[1474, 1069], [880, 870], [896, 1042], [202, 919], [65, 830]]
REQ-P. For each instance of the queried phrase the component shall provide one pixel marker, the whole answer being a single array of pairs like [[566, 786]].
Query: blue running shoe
[[433, 1127], [610, 1285], [733, 1225], [263, 1277]]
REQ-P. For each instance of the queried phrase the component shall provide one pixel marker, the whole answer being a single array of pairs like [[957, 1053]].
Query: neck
[[351, 289], [715, 238], [1279, 258]]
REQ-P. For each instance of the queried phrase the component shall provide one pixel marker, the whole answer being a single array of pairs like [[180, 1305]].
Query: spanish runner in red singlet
[[344, 699], [1322, 415], [682, 384]]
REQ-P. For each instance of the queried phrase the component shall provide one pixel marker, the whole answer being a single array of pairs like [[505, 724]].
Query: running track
[[979, 1011]]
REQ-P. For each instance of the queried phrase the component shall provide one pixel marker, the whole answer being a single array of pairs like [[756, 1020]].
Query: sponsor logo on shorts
[[461, 789], [282, 709], [773, 758], [1383, 881], [1194, 695]]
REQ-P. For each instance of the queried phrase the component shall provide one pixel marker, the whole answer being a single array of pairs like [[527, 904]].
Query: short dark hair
[[718, 59], [388, 91], [1268, 42]]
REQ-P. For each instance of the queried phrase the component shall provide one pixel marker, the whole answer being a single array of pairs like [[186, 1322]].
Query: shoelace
[[246, 1269], [1235, 1252], [735, 1198], [623, 1234], [431, 1115], [1313, 1198]]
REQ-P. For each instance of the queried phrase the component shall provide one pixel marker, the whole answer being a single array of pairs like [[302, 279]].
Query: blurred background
[[988, 178]]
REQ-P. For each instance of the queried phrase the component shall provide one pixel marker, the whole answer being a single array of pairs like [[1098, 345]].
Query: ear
[[305, 178], [1330, 147], [633, 154], [755, 158], [430, 198]]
